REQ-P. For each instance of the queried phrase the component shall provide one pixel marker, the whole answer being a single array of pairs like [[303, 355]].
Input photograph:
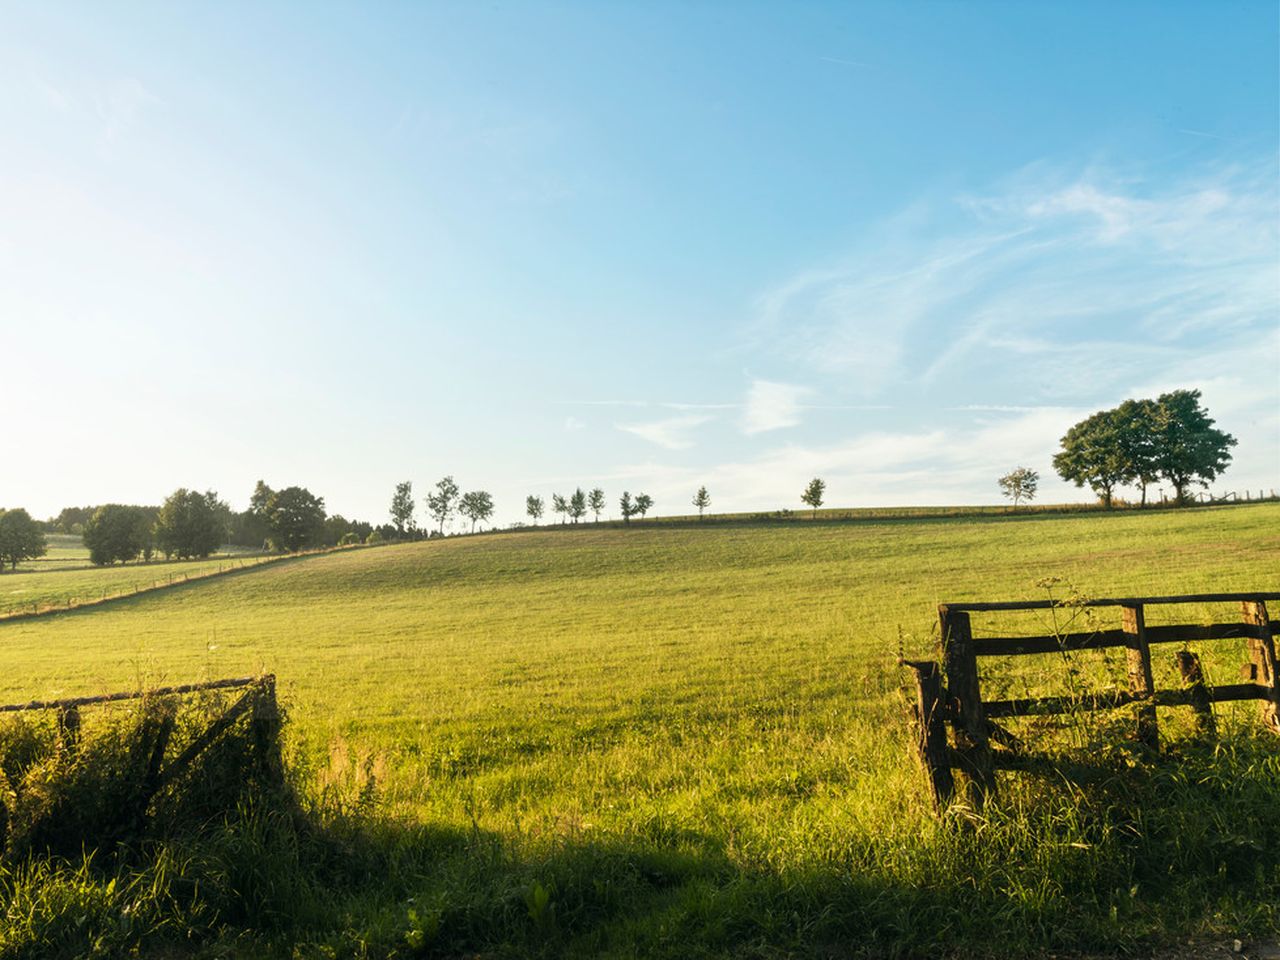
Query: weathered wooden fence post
[[69, 726], [969, 721], [1262, 661], [1140, 679], [931, 731], [1193, 681], [266, 732]]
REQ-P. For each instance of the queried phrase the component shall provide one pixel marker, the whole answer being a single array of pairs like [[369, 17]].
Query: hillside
[[728, 695]]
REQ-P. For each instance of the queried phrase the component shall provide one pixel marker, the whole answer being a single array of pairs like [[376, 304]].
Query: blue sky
[[642, 246]]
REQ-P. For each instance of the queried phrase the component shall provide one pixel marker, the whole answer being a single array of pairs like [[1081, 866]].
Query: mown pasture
[[35, 587], [679, 741]]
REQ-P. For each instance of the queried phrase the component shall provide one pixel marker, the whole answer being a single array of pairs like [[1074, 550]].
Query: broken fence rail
[[958, 702], [258, 700]]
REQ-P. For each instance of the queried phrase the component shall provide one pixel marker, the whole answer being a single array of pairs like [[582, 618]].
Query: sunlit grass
[[720, 704]]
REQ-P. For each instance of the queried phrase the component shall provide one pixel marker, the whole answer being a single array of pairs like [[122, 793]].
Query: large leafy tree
[[21, 538], [1187, 447], [118, 532], [295, 517], [1097, 451], [476, 506], [402, 508], [441, 503], [644, 503], [1019, 484], [1136, 428], [814, 493], [628, 506], [191, 524]]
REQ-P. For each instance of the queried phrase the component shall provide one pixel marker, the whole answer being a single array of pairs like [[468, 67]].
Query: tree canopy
[[20, 537], [533, 506], [441, 503], [295, 517], [118, 532], [191, 524], [1019, 484], [476, 506], [813, 493], [1141, 441], [596, 501], [1187, 447], [701, 500], [402, 508]]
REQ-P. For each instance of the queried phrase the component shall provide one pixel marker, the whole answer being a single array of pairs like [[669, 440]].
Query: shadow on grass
[[1139, 857]]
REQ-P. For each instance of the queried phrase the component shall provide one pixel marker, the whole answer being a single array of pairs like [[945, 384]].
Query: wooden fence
[[258, 700], [950, 694]]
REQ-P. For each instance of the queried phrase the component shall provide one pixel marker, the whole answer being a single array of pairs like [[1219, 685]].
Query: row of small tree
[[442, 502], [477, 506]]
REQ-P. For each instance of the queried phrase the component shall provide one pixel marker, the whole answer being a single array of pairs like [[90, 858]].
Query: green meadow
[[36, 586], [692, 740]]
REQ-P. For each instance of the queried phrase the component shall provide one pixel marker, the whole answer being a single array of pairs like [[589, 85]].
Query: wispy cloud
[[772, 406], [1051, 289], [672, 433]]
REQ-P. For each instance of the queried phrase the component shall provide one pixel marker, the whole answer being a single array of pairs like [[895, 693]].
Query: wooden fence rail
[[958, 702], [258, 701]]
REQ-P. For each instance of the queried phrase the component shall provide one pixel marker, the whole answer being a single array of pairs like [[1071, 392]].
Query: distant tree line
[[191, 525]]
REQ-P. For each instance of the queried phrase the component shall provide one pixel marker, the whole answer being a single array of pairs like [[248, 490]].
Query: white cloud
[[772, 406], [671, 433]]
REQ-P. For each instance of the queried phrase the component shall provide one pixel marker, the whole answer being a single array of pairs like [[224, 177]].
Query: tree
[[476, 505], [595, 500], [20, 538], [628, 506], [578, 505], [402, 507], [440, 504], [117, 532], [72, 519], [1136, 423], [191, 524], [701, 500], [643, 503], [1095, 451], [1187, 447], [813, 494], [1019, 484], [533, 507], [560, 507], [258, 500], [296, 518]]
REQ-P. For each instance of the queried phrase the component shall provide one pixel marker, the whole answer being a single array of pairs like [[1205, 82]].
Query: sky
[[642, 246]]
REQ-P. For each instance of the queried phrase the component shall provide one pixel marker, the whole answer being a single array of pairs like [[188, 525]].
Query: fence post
[[970, 720], [266, 732], [69, 727], [1262, 662], [1140, 681], [931, 732], [1193, 681]]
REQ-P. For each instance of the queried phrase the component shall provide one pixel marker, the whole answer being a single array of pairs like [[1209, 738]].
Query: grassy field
[[36, 587], [672, 741]]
